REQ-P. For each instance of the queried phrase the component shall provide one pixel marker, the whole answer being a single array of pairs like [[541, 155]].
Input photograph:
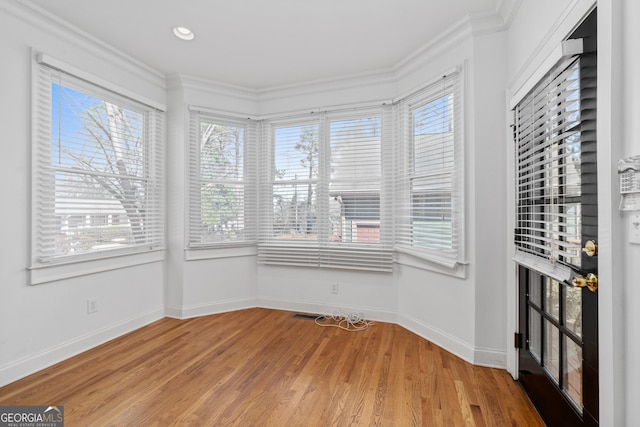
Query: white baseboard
[[198, 310], [490, 358], [323, 308], [438, 337], [51, 356]]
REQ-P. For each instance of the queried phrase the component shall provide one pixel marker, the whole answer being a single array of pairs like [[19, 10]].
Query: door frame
[[548, 53], [610, 136]]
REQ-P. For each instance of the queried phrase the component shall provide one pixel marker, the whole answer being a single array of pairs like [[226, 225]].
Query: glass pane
[[222, 212], [294, 211], [552, 297], [535, 337], [572, 236], [573, 310], [221, 152], [354, 190], [101, 194], [534, 289], [573, 165], [433, 141], [431, 212], [572, 383], [552, 350], [296, 153], [355, 218], [356, 153]]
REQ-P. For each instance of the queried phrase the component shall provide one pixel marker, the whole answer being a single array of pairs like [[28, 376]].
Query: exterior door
[[556, 234]]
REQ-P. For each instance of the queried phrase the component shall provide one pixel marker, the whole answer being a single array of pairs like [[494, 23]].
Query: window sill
[[219, 252], [422, 262], [51, 273]]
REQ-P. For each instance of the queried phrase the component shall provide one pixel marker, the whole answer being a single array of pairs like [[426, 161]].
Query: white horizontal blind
[[548, 143], [289, 230], [222, 205], [97, 172], [326, 178], [358, 235], [429, 191]]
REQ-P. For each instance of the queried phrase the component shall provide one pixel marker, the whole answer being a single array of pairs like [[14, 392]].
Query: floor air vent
[[306, 316]]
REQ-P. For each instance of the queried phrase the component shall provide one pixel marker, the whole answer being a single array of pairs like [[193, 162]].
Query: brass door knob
[[590, 248], [591, 282]]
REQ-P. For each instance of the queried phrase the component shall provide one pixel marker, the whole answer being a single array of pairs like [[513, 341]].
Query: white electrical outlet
[[335, 288], [92, 305]]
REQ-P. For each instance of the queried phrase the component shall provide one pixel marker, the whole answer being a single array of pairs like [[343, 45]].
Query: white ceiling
[[260, 44]]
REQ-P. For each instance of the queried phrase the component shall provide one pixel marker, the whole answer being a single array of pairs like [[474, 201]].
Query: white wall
[[200, 286], [631, 147], [42, 324], [489, 158]]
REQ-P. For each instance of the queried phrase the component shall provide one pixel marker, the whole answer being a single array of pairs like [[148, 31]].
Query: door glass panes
[[552, 350], [573, 310], [572, 233], [552, 297], [572, 383], [555, 332], [535, 335], [573, 159], [534, 290], [549, 163]]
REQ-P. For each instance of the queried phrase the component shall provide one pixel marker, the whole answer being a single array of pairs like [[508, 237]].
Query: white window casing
[[222, 197], [323, 191], [429, 192], [97, 167]]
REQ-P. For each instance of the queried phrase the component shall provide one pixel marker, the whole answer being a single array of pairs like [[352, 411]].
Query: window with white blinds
[[429, 192], [97, 172], [222, 204], [548, 150], [325, 178]]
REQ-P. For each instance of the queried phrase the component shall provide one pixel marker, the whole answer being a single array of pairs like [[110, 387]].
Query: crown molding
[[508, 9], [484, 23], [353, 81], [458, 33], [187, 82], [32, 14]]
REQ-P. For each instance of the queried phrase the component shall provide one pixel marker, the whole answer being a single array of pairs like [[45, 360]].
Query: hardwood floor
[[262, 367]]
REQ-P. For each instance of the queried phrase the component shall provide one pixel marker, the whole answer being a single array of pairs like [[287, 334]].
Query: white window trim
[[52, 273], [318, 254], [222, 249], [80, 266], [410, 256], [424, 258]]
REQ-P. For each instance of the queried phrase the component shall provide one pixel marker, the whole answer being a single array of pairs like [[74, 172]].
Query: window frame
[[452, 262], [46, 267], [223, 248], [322, 252]]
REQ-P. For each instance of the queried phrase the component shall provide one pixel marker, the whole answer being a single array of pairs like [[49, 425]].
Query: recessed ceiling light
[[183, 33]]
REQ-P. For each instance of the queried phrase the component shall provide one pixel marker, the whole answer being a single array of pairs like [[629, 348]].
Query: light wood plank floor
[[262, 367]]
